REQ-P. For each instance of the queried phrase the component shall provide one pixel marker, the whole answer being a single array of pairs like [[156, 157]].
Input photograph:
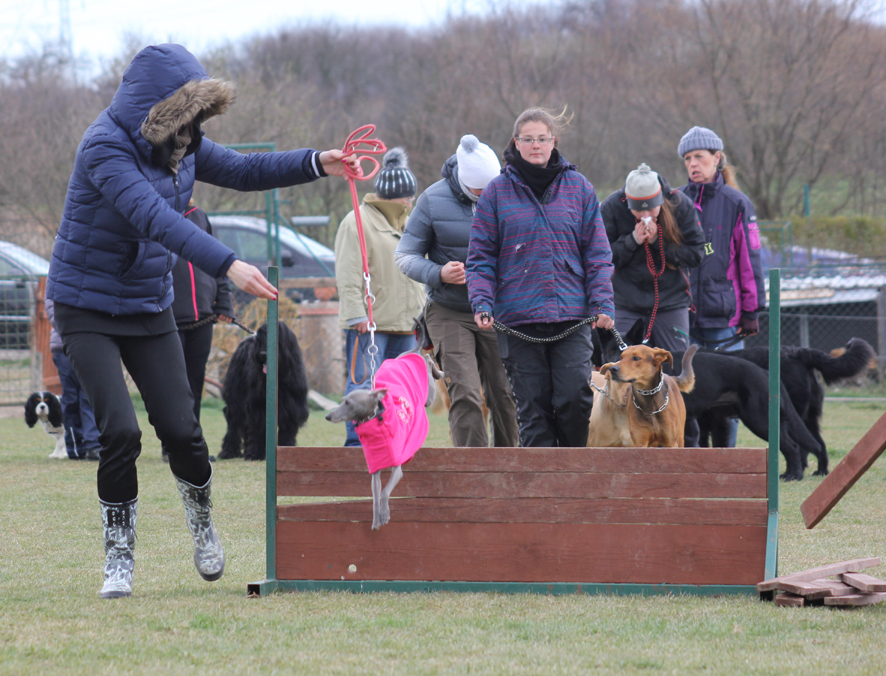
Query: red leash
[[373, 147], [650, 265]]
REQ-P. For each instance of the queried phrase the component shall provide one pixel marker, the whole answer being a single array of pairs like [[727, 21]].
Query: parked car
[[300, 256], [19, 269]]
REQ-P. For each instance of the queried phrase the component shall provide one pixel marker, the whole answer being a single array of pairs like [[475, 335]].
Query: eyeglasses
[[542, 141]]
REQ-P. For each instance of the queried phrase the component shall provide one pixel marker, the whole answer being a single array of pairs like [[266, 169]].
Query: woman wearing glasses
[[539, 262]]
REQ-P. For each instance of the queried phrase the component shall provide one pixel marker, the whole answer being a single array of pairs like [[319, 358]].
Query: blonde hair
[[555, 122], [726, 169]]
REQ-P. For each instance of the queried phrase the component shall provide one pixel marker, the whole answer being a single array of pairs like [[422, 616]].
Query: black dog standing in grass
[[244, 394]]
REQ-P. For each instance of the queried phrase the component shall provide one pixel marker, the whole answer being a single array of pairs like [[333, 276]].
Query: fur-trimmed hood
[[163, 89]]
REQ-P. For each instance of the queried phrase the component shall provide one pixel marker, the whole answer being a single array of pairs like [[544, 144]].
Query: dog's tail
[[686, 379], [854, 359]]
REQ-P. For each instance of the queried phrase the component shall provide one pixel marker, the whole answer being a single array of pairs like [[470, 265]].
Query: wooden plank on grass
[[527, 485], [855, 600], [603, 460], [541, 510], [789, 600], [865, 583], [837, 588], [851, 566], [810, 590], [521, 552], [845, 474]]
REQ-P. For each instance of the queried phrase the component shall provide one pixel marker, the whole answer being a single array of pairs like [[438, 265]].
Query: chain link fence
[[824, 305]]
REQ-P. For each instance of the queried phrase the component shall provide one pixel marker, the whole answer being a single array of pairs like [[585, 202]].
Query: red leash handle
[[352, 147]]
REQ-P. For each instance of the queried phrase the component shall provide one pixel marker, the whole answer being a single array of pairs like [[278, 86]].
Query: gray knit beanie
[[699, 138], [395, 180], [642, 189]]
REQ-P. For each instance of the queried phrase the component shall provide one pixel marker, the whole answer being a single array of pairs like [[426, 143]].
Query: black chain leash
[[552, 339]]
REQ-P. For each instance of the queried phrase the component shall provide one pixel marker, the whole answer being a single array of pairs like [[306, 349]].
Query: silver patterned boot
[[209, 555], [118, 520]]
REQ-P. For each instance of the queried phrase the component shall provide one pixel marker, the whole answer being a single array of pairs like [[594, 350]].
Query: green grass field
[[52, 621]]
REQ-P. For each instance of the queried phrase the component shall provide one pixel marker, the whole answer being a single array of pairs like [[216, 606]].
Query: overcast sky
[[98, 26]]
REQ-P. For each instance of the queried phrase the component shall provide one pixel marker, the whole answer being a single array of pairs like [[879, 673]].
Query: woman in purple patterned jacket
[[539, 262]]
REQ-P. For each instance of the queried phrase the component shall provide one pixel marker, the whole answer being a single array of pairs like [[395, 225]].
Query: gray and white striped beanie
[[395, 180]]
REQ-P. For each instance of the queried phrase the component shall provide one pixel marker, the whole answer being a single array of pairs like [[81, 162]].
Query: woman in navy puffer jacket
[[111, 279]]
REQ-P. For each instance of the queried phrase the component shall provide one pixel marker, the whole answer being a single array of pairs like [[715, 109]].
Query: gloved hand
[[747, 326]]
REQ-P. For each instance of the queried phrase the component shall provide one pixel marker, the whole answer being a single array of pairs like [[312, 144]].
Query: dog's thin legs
[[381, 510], [376, 501]]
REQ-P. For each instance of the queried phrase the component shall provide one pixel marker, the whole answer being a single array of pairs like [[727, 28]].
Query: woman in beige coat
[[398, 299]]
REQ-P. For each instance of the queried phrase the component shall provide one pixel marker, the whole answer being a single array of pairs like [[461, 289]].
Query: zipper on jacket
[[175, 183]]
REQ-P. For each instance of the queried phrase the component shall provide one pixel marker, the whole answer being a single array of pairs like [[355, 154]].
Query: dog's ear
[[605, 368], [31, 409], [660, 356], [56, 413], [379, 394]]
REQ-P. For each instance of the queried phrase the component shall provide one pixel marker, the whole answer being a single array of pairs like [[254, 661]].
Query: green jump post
[[271, 433], [774, 419]]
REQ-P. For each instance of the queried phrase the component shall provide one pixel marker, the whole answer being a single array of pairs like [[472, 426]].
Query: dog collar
[[658, 410], [653, 391], [376, 413]]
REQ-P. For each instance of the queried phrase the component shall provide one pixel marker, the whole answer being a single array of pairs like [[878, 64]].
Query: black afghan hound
[[245, 395]]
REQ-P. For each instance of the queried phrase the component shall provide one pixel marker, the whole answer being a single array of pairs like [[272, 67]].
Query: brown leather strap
[[354, 362]]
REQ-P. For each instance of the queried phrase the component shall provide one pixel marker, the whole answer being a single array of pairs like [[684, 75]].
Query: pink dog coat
[[403, 427]]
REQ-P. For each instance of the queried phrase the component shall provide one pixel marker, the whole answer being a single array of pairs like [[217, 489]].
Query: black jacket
[[197, 294], [632, 281]]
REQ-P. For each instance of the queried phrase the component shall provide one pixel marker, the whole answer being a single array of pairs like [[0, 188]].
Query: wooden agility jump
[[545, 520]]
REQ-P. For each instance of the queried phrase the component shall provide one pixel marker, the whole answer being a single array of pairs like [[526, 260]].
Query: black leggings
[[157, 367], [196, 346]]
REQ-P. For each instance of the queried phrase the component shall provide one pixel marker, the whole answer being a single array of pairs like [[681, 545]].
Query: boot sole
[[214, 577], [114, 595]]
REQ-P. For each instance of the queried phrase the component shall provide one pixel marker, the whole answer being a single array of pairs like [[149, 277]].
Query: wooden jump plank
[[604, 460], [852, 566], [528, 485], [545, 510], [516, 552], [865, 583], [855, 600], [845, 474]]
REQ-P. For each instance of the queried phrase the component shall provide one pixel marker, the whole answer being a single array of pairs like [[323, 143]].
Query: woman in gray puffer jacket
[[440, 228]]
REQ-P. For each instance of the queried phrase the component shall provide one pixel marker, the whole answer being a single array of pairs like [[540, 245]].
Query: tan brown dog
[[608, 426], [655, 409]]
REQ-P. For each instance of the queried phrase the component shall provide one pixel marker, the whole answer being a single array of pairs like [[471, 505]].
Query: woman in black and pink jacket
[[727, 287]]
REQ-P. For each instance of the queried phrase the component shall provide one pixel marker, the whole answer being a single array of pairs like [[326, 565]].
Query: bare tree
[[787, 83]]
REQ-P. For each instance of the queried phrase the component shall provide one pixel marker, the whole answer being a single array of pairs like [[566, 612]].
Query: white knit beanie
[[642, 189], [477, 163]]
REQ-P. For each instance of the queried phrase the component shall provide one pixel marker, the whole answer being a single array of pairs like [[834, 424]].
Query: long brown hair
[[668, 223]]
